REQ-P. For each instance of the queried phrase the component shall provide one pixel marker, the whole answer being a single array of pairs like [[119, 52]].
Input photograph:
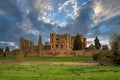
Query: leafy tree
[[91, 47], [1, 51], [105, 47], [77, 43], [97, 43], [6, 51], [16, 50]]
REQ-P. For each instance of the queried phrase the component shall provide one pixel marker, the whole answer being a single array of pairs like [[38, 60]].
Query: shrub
[[91, 47], [1, 51], [97, 56], [16, 50], [105, 47], [116, 57], [102, 58]]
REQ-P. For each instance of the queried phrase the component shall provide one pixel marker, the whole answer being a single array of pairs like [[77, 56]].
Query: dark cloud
[[106, 27], [82, 23], [15, 19], [20, 18]]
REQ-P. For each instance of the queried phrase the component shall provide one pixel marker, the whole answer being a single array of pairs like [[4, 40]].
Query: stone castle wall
[[57, 53]]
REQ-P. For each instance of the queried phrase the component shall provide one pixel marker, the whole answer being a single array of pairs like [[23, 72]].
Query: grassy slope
[[47, 59], [48, 72]]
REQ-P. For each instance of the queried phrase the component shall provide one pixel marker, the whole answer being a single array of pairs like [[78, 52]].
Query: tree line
[[97, 45]]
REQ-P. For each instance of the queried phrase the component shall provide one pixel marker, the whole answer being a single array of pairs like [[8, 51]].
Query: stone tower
[[60, 41], [40, 45]]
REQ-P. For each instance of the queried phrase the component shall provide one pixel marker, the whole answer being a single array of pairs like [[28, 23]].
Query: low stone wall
[[12, 54], [63, 53], [57, 53]]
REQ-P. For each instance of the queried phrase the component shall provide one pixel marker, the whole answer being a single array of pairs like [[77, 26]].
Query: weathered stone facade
[[28, 46], [57, 42], [64, 41], [60, 41]]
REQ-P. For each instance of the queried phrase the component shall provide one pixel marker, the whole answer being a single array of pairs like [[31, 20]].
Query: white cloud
[[102, 41], [45, 9], [8, 43], [63, 24], [28, 27], [23, 6], [74, 7], [44, 5], [2, 12], [105, 42], [105, 9], [90, 41]]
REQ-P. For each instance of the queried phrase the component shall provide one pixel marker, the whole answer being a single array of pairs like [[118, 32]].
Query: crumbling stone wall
[[28, 46], [64, 41]]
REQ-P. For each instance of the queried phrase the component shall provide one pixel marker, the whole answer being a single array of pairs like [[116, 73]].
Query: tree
[[115, 42], [105, 47], [97, 43], [115, 47], [91, 47], [77, 43], [6, 51], [1, 51], [16, 50]]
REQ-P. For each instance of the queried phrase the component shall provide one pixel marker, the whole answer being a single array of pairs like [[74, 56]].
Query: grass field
[[55, 72], [61, 72], [47, 59]]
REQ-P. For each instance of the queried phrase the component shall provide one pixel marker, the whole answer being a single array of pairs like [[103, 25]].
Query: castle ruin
[[57, 42], [64, 41]]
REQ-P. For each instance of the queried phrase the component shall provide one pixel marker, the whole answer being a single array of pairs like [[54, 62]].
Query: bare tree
[[115, 46], [115, 42]]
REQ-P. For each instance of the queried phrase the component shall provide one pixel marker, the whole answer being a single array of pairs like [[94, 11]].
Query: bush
[[116, 57], [16, 50], [4, 54], [91, 47], [97, 56], [103, 58], [1, 51]]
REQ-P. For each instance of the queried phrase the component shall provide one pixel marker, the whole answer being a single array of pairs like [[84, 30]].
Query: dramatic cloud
[[82, 23], [105, 9], [31, 18], [105, 19], [71, 12]]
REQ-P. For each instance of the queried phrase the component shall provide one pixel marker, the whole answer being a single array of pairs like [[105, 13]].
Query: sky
[[31, 18]]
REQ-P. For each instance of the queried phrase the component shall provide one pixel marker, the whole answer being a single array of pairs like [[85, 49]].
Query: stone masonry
[[64, 41], [57, 42], [28, 46]]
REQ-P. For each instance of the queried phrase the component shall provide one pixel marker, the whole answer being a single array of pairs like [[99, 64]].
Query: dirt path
[[52, 63]]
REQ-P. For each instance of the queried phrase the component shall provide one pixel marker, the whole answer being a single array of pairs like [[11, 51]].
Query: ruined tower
[[60, 41], [40, 45]]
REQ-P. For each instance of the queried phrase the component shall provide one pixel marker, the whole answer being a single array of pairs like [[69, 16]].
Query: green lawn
[[61, 72], [47, 59]]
